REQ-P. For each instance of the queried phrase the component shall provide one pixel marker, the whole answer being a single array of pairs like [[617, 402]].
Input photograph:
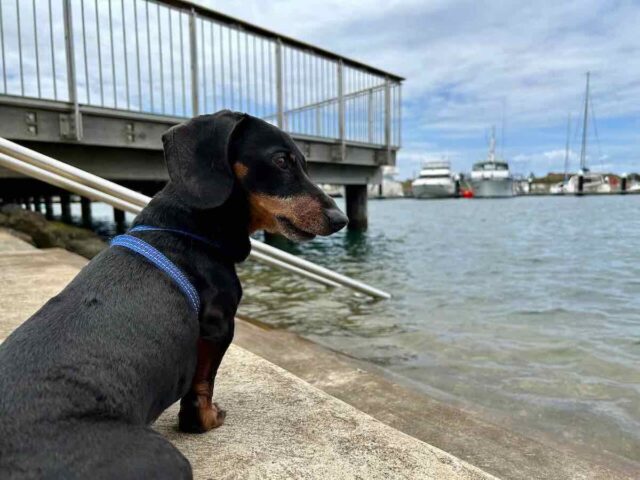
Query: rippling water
[[526, 309]]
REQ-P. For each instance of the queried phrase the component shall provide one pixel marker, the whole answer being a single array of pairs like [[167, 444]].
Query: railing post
[[370, 115], [341, 113], [279, 86], [193, 50], [399, 87], [71, 69], [387, 118]]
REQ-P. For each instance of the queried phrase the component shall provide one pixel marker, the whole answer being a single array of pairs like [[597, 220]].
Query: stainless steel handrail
[[36, 165]]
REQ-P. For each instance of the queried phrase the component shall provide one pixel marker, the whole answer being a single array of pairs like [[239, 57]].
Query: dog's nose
[[337, 219]]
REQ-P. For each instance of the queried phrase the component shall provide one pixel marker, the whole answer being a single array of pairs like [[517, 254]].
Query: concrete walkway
[[278, 426]]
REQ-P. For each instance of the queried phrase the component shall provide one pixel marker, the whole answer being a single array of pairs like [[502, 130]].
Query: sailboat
[[585, 181]]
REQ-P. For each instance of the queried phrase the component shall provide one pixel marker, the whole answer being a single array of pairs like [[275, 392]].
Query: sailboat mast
[[583, 151], [566, 151], [492, 145]]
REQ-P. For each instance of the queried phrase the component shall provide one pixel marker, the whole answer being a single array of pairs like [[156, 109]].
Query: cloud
[[469, 65]]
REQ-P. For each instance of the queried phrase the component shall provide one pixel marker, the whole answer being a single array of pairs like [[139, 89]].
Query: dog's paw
[[199, 418]]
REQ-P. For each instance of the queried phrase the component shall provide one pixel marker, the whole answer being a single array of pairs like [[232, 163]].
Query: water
[[524, 310]]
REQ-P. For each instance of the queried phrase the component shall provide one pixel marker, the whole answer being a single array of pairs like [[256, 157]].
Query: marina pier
[[132, 72]]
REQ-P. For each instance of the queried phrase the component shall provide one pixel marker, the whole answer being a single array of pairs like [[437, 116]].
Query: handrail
[[34, 164]]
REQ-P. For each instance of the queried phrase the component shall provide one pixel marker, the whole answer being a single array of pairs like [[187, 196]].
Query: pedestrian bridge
[[95, 83]]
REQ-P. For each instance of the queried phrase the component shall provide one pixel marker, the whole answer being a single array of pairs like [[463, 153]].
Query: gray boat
[[491, 178]]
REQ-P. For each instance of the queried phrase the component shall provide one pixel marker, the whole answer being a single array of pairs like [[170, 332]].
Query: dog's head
[[208, 156]]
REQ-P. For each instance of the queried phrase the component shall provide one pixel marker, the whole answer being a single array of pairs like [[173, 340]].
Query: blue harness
[[161, 261]]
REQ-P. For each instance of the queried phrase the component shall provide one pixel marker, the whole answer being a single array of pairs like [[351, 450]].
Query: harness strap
[[162, 262], [148, 228]]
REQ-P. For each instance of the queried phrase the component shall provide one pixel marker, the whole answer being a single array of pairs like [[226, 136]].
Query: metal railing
[[175, 58], [36, 165]]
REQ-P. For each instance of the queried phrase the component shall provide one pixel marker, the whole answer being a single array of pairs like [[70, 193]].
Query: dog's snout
[[337, 219]]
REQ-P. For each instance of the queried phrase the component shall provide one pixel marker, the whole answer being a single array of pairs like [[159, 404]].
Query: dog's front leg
[[198, 413]]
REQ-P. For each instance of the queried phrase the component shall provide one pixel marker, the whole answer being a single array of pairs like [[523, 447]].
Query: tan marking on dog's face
[[302, 211], [240, 169]]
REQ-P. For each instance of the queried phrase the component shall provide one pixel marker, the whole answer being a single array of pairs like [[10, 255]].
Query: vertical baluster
[[239, 58], [246, 65], [229, 51], [35, 36], [204, 68], [4, 65], [341, 132], [279, 84], [262, 79], [255, 77], [137, 28], [213, 67], [184, 85], [222, 87], [150, 72], [113, 56], [171, 75], [84, 50], [126, 61], [193, 48], [99, 40], [20, 49], [160, 50]]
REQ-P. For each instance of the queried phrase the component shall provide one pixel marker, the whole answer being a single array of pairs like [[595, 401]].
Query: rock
[[45, 234]]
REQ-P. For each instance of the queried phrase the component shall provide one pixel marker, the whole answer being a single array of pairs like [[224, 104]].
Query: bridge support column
[[356, 198], [48, 207], [85, 206], [65, 206], [118, 218], [37, 203]]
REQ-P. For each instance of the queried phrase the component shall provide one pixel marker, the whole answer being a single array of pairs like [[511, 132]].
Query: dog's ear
[[196, 153]]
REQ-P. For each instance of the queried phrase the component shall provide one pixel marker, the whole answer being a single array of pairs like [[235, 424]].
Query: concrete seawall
[[278, 426]]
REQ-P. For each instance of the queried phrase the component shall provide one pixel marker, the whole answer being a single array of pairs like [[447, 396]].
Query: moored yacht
[[435, 181], [491, 178]]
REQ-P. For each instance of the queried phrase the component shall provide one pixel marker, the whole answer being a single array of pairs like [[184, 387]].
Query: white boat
[[591, 183], [435, 181], [491, 178], [388, 187]]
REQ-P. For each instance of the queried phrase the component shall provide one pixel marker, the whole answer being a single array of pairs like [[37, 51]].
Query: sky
[[470, 65]]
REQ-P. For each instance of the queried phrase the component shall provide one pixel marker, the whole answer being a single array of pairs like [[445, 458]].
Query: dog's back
[[91, 369]]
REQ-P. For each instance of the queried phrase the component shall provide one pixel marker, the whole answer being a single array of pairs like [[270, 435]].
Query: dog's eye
[[281, 161]]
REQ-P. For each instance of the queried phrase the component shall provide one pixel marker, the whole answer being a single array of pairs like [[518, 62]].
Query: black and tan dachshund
[[85, 376]]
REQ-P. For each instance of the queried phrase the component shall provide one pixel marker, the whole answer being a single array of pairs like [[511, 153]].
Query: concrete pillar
[[118, 218], [37, 203], [48, 207], [85, 206], [65, 206], [356, 198]]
